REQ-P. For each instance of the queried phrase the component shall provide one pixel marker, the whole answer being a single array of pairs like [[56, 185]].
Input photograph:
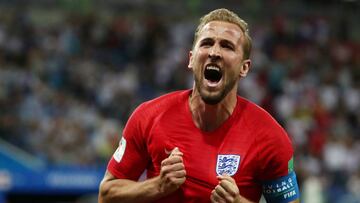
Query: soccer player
[[206, 144]]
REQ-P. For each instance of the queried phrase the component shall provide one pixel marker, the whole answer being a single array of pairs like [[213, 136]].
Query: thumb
[[226, 177], [176, 152]]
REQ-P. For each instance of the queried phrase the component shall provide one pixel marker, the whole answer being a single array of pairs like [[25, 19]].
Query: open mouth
[[212, 73]]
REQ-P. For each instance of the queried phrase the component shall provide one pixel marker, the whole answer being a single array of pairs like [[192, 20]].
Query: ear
[[245, 67], [190, 65]]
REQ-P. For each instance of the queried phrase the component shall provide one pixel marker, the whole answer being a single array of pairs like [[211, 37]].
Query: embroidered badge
[[227, 164], [120, 150]]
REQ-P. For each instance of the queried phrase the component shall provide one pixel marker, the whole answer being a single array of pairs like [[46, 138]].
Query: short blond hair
[[226, 16]]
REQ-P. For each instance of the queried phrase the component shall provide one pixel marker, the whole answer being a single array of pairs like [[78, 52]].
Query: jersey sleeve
[[131, 158], [276, 163], [274, 149]]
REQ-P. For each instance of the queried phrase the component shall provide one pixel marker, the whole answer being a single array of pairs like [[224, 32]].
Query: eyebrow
[[222, 41], [206, 39]]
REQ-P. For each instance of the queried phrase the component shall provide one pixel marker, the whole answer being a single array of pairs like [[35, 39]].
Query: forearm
[[120, 190], [172, 175], [244, 200]]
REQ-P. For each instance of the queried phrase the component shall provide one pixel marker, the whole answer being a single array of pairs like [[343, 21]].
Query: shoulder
[[147, 113], [163, 102], [255, 116], [266, 130], [272, 144], [149, 110]]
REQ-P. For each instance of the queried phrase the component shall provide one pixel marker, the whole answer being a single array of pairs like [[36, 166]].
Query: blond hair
[[226, 16]]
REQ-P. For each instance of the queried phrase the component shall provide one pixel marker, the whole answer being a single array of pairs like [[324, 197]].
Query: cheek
[[234, 66], [198, 59], [201, 54], [233, 62]]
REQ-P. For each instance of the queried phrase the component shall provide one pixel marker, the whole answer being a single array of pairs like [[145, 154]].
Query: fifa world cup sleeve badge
[[119, 153]]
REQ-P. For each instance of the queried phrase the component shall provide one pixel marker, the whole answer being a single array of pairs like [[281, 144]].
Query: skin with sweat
[[219, 45]]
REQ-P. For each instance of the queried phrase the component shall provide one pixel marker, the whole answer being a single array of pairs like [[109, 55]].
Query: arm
[[172, 175], [283, 189], [115, 190], [276, 164]]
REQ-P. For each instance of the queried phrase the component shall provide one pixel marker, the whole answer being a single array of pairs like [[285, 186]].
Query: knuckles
[[172, 160]]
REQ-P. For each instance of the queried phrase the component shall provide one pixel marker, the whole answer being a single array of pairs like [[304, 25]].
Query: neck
[[209, 117]]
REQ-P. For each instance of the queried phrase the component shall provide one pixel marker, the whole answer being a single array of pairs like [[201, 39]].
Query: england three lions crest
[[227, 164]]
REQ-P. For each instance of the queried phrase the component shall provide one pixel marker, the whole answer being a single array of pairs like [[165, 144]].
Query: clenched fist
[[172, 173], [226, 191]]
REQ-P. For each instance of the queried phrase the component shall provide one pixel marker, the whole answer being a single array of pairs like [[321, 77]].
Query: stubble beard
[[213, 99]]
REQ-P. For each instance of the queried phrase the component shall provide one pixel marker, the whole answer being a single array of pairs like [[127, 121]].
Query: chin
[[212, 99]]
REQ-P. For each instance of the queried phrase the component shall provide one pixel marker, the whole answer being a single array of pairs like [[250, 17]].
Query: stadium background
[[71, 72]]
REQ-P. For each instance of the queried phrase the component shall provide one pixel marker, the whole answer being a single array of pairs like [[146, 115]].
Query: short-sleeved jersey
[[250, 146]]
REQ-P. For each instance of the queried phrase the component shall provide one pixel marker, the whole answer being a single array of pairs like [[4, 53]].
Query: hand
[[172, 173], [226, 191]]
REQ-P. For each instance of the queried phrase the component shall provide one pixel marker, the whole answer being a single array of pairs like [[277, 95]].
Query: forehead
[[221, 29]]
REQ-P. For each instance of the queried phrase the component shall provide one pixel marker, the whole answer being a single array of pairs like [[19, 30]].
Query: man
[[206, 144]]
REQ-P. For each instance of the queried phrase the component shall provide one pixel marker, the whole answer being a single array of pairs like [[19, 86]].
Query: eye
[[206, 43], [227, 45]]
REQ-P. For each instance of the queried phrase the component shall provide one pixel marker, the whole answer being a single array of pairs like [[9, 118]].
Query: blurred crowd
[[69, 81]]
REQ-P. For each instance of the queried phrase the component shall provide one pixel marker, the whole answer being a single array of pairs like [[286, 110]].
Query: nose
[[214, 53]]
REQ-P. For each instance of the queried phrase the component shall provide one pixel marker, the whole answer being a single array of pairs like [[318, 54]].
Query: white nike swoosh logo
[[167, 152]]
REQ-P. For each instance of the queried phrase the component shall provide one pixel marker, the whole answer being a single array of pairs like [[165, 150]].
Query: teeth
[[213, 68]]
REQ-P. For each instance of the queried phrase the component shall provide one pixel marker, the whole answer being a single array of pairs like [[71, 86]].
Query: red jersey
[[250, 146]]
